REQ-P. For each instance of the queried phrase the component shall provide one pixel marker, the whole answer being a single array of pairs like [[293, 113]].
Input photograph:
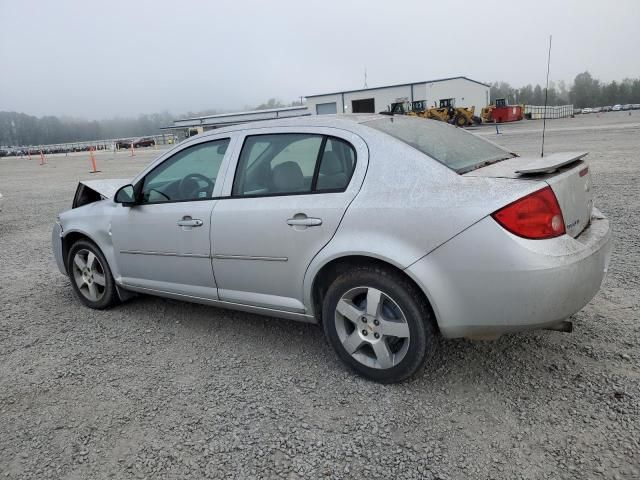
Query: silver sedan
[[387, 230]]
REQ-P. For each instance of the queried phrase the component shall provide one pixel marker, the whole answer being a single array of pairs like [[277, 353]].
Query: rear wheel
[[378, 324], [461, 121], [90, 275]]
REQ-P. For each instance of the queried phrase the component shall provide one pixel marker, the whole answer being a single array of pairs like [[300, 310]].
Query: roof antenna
[[546, 95], [365, 77]]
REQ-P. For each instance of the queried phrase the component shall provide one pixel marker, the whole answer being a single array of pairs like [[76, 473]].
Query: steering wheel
[[190, 186]]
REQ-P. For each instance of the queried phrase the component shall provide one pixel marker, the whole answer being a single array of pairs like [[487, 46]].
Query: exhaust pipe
[[563, 326]]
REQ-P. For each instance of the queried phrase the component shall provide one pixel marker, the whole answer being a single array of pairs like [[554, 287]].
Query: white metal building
[[464, 91]]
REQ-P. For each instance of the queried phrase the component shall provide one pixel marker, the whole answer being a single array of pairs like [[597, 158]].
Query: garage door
[[326, 108], [366, 105]]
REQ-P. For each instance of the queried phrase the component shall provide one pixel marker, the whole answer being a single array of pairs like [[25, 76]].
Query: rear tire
[[378, 324], [91, 276]]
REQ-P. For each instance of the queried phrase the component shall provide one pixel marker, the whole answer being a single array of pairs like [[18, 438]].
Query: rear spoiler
[[551, 163]]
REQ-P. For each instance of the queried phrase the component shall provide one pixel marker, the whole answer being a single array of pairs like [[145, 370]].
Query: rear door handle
[[189, 222], [304, 222]]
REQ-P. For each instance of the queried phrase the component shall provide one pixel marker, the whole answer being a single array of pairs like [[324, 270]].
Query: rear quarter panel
[[408, 205]]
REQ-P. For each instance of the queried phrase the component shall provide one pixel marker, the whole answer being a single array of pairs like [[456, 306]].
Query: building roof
[[240, 117], [250, 112], [347, 121], [398, 85]]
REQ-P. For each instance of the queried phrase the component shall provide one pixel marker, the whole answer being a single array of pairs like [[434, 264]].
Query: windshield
[[451, 146]]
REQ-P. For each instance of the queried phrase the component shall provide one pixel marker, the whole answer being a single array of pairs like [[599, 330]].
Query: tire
[[377, 354], [461, 121], [91, 276]]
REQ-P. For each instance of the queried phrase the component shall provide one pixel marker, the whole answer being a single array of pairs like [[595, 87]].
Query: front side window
[[293, 163], [188, 175]]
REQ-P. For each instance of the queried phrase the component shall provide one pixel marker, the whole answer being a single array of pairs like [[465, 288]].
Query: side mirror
[[126, 196]]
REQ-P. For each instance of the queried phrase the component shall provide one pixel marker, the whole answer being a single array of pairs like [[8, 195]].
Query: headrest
[[288, 176]]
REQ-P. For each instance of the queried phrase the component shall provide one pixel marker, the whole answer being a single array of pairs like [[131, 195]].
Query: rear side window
[[293, 163], [336, 166], [453, 147]]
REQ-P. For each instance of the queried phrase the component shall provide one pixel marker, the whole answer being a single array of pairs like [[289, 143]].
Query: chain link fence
[[538, 112], [112, 144]]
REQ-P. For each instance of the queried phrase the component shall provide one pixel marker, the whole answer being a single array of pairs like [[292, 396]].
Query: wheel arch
[[327, 272], [69, 239], [72, 236]]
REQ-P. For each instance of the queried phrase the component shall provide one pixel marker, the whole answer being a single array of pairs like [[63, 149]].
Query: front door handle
[[187, 221], [304, 222]]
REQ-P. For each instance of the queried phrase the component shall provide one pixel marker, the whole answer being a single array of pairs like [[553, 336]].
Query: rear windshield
[[451, 146]]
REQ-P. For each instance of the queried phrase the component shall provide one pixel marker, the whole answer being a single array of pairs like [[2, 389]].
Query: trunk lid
[[566, 173]]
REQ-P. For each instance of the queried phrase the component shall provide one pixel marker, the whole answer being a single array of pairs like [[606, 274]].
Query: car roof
[[343, 121]]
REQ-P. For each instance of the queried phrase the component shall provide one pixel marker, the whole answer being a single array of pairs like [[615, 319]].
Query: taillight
[[536, 216]]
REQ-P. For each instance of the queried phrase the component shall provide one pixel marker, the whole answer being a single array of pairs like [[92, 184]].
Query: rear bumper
[[486, 281]]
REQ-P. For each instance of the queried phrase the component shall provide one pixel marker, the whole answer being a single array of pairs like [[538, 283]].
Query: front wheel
[[378, 324], [90, 276], [461, 121]]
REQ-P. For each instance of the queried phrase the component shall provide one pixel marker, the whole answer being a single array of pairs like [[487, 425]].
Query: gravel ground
[[162, 389]]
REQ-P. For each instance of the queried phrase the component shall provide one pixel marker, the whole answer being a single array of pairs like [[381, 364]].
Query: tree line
[[585, 91], [20, 129]]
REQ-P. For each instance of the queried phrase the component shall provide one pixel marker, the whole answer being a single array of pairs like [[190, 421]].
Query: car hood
[[106, 187]]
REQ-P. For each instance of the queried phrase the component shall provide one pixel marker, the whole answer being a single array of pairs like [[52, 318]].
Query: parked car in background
[[587, 110], [137, 142], [616, 108], [596, 110], [635, 106], [577, 111], [387, 230], [144, 142], [607, 108], [626, 107]]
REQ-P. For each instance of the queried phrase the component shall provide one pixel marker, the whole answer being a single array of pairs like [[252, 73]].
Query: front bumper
[[56, 244], [486, 281]]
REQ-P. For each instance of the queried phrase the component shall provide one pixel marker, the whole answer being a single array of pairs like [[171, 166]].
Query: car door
[[163, 242], [288, 195]]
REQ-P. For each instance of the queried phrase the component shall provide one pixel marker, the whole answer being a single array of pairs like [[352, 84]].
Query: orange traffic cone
[[94, 168]]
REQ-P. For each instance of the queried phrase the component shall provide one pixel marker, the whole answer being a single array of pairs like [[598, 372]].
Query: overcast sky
[[97, 59]]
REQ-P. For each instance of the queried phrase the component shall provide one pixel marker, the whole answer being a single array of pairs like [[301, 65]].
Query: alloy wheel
[[88, 273], [372, 328]]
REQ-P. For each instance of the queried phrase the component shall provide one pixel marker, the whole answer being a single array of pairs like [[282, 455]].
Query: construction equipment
[[502, 112], [446, 112]]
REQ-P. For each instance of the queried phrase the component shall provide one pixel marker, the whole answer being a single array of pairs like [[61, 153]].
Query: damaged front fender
[[90, 191]]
